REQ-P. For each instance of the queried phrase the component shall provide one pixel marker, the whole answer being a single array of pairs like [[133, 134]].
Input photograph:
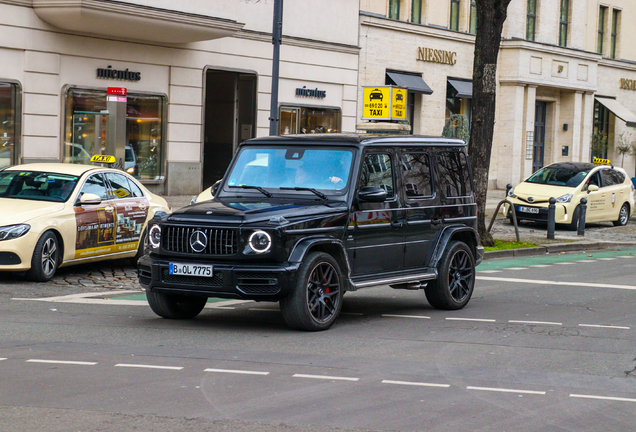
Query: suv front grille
[[220, 241]]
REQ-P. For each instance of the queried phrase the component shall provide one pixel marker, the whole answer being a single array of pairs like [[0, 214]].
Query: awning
[[618, 110], [414, 83], [464, 89]]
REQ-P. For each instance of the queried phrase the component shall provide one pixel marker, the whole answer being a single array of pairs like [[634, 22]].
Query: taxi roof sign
[[106, 159], [599, 161]]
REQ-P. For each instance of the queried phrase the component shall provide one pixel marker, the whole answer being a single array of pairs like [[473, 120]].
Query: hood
[[540, 192], [247, 211], [17, 211]]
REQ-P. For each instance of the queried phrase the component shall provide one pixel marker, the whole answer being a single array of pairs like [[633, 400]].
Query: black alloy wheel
[[623, 216], [456, 278], [46, 258], [315, 302]]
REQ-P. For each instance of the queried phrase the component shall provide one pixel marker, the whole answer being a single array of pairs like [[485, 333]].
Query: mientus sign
[[627, 84], [125, 75], [436, 56], [311, 92]]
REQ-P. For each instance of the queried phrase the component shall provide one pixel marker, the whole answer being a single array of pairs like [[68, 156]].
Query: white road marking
[[2, 359], [626, 256], [74, 297], [325, 377], [549, 282], [541, 265], [517, 268], [66, 362], [422, 384], [471, 319], [534, 322], [565, 263], [489, 271], [603, 398], [406, 316], [606, 259], [505, 390], [148, 366], [584, 261], [233, 371], [604, 326], [264, 309]]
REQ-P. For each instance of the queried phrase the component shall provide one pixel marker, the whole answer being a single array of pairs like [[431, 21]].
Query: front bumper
[[563, 211], [233, 281], [16, 254]]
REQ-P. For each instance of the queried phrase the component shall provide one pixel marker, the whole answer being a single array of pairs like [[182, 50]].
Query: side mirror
[[592, 188], [372, 194], [215, 188], [90, 199]]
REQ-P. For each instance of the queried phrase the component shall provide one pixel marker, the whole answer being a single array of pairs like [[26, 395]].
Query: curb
[[554, 248]]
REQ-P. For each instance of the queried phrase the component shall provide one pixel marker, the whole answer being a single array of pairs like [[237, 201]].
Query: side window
[[417, 175], [619, 177], [95, 185], [608, 178], [465, 169], [377, 170], [119, 184], [454, 182], [134, 189], [594, 180]]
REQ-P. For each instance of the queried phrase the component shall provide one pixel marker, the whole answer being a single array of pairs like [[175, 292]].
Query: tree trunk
[[491, 15]]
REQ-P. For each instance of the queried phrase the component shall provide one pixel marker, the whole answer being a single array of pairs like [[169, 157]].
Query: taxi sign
[[107, 159], [599, 161], [384, 103]]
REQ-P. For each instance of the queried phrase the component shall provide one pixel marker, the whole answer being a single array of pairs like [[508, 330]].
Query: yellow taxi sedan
[[55, 214], [609, 192]]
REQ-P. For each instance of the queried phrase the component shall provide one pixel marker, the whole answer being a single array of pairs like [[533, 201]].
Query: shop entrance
[[230, 118], [539, 136]]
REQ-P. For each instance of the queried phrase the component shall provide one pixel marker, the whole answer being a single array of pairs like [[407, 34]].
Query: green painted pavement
[[552, 258]]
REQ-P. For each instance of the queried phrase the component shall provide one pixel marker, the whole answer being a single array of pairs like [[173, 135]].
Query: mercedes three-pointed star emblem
[[198, 241]]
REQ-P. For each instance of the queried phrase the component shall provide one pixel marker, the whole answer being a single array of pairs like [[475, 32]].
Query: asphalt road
[[547, 343]]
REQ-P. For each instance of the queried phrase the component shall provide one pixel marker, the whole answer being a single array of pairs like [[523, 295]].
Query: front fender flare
[[303, 246]]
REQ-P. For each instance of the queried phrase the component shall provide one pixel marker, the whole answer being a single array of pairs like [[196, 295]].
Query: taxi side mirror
[[90, 199], [592, 188]]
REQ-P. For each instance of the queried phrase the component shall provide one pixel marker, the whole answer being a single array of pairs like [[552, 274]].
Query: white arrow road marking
[[494, 389], [325, 377], [548, 282], [65, 362], [234, 371], [422, 384]]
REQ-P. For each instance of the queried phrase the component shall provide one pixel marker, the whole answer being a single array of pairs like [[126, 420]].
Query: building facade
[[566, 76], [170, 88]]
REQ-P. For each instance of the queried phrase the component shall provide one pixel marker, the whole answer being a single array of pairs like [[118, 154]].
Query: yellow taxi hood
[[17, 211], [540, 192]]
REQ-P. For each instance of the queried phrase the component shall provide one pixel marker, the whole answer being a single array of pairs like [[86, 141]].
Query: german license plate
[[191, 269], [529, 210]]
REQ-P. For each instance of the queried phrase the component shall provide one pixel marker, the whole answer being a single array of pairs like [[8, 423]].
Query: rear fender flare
[[462, 233]]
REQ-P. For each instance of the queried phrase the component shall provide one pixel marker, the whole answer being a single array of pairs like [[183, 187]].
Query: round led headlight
[[260, 241], [154, 236]]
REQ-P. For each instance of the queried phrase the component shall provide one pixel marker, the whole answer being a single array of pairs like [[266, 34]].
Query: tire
[[46, 258], [456, 279], [315, 302], [574, 224], [173, 306], [623, 216]]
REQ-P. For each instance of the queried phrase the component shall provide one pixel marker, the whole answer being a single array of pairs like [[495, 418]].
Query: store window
[[416, 11], [87, 124], [459, 103], [472, 28], [454, 15], [602, 13], [306, 120], [564, 21], [600, 134], [616, 15], [531, 20], [9, 124]]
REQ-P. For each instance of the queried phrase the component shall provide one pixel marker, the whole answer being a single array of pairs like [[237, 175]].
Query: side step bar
[[395, 280]]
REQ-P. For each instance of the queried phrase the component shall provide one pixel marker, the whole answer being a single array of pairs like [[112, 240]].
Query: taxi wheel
[[175, 306], [46, 258], [456, 278], [574, 223], [315, 302], [623, 216]]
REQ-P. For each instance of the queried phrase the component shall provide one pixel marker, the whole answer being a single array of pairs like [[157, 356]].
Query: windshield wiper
[[320, 194], [258, 188]]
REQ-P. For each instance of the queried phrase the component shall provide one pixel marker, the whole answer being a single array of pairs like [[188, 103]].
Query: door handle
[[109, 209], [436, 221], [396, 224]]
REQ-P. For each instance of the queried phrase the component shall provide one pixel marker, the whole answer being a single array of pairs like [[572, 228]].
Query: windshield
[[558, 176], [292, 167], [32, 185]]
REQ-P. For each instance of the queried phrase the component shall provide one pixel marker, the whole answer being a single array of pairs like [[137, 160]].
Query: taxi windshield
[[558, 176], [36, 185], [281, 168]]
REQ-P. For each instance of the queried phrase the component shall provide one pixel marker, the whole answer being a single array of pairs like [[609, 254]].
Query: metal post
[[582, 211], [551, 217], [277, 36]]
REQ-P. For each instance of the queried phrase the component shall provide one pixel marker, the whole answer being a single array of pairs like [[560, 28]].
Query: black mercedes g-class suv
[[301, 219]]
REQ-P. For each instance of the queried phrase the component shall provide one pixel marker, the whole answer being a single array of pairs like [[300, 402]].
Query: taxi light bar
[[599, 161], [106, 159]]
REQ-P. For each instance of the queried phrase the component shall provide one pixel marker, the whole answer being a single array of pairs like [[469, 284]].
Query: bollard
[[508, 187], [551, 216], [582, 211]]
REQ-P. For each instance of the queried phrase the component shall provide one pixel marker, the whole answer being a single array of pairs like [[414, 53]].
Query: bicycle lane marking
[[560, 283]]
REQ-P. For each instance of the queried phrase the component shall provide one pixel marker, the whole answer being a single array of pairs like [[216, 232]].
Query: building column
[[528, 142], [588, 125], [510, 138], [577, 122]]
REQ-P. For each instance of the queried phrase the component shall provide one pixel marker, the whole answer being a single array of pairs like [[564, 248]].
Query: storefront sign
[[384, 103], [436, 56], [321, 94], [121, 91], [627, 84], [110, 73]]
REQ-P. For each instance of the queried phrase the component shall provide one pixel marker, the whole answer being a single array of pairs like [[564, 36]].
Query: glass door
[[288, 120], [87, 137]]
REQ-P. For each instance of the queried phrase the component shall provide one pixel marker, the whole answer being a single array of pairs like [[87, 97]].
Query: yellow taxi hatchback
[[55, 214], [609, 193]]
